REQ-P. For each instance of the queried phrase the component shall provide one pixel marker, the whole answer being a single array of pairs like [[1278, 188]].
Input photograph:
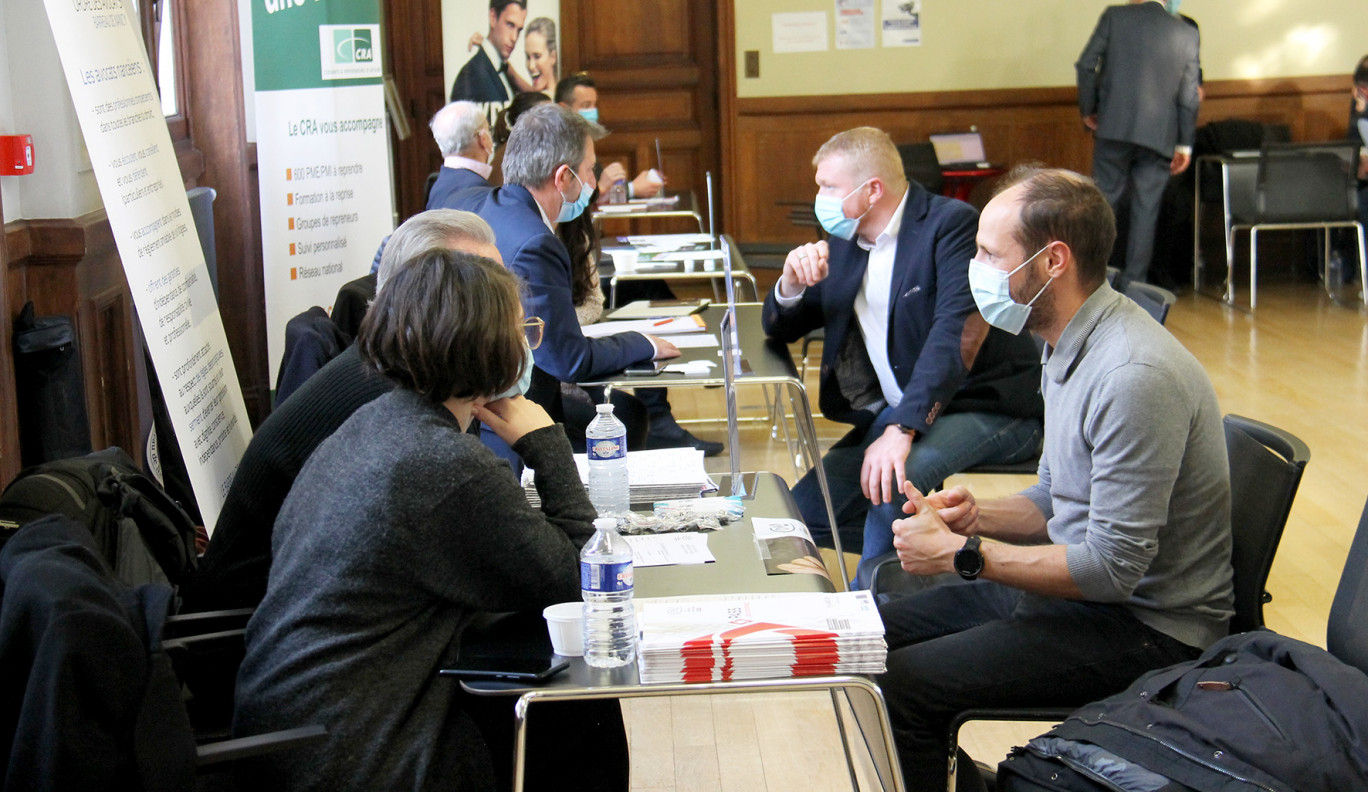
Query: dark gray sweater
[[398, 529]]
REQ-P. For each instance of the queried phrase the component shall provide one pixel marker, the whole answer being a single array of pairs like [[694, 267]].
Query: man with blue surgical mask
[[548, 176], [929, 387], [1118, 560], [578, 92]]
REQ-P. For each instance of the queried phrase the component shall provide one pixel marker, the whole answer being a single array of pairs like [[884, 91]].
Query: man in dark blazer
[[907, 359], [1138, 93], [463, 136], [484, 78], [548, 173]]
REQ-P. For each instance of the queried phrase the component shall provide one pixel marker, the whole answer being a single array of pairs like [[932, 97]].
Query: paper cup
[[565, 623], [625, 260], [654, 175]]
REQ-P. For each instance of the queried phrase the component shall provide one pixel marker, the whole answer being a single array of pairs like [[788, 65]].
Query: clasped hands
[[926, 541]]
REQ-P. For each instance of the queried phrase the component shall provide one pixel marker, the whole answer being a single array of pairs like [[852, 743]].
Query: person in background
[[930, 388], [372, 585], [507, 119], [232, 572], [1358, 132], [484, 78], [467, 145], [1138, 81], [579, 93], [543, 64], [1118, 561]]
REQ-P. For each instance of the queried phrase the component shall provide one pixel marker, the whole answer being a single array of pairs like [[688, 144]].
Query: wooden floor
[[1300, 363]]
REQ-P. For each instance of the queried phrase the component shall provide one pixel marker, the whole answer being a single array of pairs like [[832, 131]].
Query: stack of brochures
[[661, 474], [759, 636]]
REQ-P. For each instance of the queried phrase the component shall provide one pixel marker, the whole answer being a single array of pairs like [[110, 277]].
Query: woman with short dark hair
[[399, 528]]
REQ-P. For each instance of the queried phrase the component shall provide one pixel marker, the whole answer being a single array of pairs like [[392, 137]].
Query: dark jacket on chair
[[87, 701], [311, 340], [933, 325]]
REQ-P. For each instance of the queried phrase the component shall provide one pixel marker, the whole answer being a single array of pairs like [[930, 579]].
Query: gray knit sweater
[[1134, 478], [398, 528]]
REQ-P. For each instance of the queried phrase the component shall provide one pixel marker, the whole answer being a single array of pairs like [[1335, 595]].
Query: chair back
[[1266, 465], [1346, 637], [1307, 183], [1154, 299], [921, 166]]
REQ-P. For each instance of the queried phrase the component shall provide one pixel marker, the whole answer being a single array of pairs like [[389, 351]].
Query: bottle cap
[[604, 408], [604, 523]]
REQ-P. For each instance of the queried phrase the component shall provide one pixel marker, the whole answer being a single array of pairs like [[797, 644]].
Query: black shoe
[[667, 433]]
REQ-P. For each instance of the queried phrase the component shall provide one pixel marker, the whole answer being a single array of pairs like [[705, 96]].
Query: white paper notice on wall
[[854, 24], [902, 23], [799, 32]]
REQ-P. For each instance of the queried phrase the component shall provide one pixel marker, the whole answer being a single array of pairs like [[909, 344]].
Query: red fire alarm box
[[16, 155]]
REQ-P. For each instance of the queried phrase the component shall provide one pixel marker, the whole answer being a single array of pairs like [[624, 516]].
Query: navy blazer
[[937, 344], [540, 259], [451, 181], [1139, 74]]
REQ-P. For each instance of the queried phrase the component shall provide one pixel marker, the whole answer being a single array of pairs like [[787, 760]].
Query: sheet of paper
[[665, 241], [696, 341], [695, 368], [690, 255], [679, 324], [804, 31], [902, 23], [855, 24], [669, 549]]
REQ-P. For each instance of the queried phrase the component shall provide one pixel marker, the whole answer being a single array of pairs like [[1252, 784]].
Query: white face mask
[[992, 293], [489, 159]]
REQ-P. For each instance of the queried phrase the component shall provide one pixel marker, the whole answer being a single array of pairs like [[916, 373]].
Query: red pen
[[662, 322]]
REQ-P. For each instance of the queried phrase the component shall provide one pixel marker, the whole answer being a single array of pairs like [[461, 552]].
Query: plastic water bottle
[[1334, 276], [618, 192], [606, 441], [606, 584]]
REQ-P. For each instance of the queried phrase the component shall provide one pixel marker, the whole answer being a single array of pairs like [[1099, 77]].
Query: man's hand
[[1090, 121], [612, 172], [475, 41], [1363, 165], [646, 186], [883, 474], [803, 267], [956, 507], [513, 417], [1180, 163], [1360, 93], [924, 543], [664, 349]]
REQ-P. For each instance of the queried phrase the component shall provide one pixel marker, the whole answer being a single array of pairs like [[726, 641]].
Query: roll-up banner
[[135, 167], [322, 152]]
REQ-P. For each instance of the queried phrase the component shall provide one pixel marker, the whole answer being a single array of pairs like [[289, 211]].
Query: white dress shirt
[[872, 301], [456, 162]]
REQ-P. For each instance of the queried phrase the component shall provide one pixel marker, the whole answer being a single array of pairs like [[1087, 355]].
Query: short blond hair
[[868, 152]]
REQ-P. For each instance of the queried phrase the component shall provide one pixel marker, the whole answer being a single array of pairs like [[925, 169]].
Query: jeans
[[968, 645], [956, 441]]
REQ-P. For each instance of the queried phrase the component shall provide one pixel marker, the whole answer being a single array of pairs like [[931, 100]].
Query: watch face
[[968, 560]]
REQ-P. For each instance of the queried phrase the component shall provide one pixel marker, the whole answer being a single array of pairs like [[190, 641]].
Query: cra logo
[[349, 51]]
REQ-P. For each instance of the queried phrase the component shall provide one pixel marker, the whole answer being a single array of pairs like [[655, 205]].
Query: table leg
[[807, 431]]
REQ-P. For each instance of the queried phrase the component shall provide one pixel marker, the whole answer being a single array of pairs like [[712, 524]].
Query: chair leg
[[1253, 268], [1230, 264], [1363, 264]]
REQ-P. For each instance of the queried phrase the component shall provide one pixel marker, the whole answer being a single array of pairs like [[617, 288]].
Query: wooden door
[[655, 65], [413, 36]]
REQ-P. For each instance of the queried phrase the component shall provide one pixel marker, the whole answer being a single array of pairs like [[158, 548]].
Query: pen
[[662, 322]]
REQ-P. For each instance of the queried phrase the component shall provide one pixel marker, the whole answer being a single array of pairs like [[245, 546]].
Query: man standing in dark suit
[[907, 359], [467, 146], [484, 78], [1137, 92], [548, 173]]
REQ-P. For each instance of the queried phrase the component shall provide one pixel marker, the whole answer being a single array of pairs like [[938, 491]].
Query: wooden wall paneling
[[216, 112]]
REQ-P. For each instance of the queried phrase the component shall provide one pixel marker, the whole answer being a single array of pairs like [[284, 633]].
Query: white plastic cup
[[625, 260], [654, 175], [565, 623]]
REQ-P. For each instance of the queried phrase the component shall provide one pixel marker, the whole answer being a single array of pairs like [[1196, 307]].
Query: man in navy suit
[[548, 173], [1138, 82], [484, 78], [907, 359], [462, 134]]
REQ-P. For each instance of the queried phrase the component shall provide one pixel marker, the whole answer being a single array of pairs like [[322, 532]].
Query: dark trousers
[[1137, 175], [968, 645]]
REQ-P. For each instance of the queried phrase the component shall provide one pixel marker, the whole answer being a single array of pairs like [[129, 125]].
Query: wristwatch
[[969, 559]]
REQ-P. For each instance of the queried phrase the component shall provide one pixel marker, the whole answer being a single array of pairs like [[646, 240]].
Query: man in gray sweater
[[1118, 560]]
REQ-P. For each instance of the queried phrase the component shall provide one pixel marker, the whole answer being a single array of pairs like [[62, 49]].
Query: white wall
[[62, 184]]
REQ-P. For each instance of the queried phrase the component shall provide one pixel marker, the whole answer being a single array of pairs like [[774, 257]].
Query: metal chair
[[1297, 186], [1266, 466]]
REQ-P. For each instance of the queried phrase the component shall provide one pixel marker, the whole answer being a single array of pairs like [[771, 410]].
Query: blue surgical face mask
[[590, 114], [993, 294], [831, 214], [1173, 6], [570, 210], [524, 382]]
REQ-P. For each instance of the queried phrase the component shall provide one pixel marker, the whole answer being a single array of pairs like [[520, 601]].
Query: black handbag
[[50, 389]]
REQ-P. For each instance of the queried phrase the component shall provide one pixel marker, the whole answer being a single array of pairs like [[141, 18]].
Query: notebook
[[959, 150]]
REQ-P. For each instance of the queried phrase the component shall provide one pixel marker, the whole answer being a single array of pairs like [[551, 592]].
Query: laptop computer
[[959, 151]]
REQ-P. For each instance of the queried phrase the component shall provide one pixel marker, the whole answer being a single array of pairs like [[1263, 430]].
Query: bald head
[[1048, 204]]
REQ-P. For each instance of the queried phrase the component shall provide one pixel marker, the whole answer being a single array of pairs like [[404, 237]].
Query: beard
[[1042, 310]]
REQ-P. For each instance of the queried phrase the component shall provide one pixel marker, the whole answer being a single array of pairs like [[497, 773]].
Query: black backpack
[[140, 531]]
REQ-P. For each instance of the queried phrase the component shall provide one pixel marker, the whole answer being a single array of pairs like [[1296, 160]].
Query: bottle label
[[604, 448], [606, 578]]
